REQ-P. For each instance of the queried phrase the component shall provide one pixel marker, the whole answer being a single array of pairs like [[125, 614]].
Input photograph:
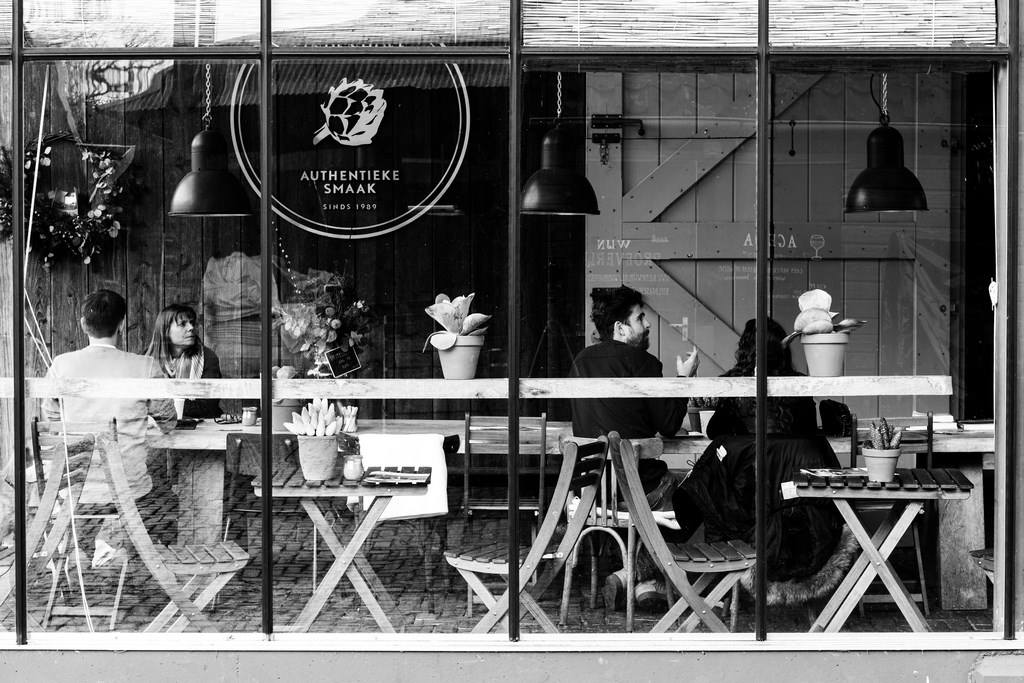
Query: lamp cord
[[558, 96], [207, 117], [883, 106]]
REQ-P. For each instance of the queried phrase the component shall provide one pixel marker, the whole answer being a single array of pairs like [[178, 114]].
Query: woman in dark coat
[[181, 354], [720, 491]]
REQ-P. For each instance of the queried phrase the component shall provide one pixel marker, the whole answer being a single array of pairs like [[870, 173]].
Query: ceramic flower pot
[[281, 411], [881, 464], [705, 420], [459, 361], [825, 353], [318, 456]]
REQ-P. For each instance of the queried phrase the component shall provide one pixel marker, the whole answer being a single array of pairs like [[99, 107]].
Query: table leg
[[200, 497], [962, 529], [852, 576], [878, 564], [344, 555]]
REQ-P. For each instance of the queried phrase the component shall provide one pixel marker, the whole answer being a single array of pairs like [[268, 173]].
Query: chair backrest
[[624, 462], [918, 439], [581, 470], [607, 511], [410, 450], [489, 436], [242, 451]]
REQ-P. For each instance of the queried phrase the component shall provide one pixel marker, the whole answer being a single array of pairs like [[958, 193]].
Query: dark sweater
[[633, 418], [205, 407]]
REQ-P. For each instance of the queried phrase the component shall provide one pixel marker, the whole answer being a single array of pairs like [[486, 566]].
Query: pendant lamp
[[557, 188], [209, 190], [886, 184]]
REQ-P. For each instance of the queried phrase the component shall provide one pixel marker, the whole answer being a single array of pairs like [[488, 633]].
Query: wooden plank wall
[[891, 269], [162, 259]]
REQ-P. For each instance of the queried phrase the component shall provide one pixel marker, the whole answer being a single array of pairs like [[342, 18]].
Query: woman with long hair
[[181, 354]]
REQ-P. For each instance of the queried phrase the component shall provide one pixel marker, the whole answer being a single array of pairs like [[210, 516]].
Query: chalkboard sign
[[342, 360]]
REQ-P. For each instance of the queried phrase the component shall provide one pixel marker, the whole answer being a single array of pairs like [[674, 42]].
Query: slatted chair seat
[[580, 469], [719, 566], [722, 556], [493, 557], [203, 560]]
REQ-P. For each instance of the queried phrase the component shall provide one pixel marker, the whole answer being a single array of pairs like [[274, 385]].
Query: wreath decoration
[[71, 222]]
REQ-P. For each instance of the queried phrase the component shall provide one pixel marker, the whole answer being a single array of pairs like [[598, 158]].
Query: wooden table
[[906, 494], [199, 463], [348, 558]]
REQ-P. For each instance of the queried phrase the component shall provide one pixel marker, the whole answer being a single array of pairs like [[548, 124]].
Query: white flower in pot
[[458, 345], [824, 342]]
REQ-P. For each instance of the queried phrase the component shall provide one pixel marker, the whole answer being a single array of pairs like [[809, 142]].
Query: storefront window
[[670, 157], [120, 294], [451, 375], [164, 23], [873, 276], [390, 200]]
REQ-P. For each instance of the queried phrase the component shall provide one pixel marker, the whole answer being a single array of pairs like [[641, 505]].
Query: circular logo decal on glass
[[361, 149]]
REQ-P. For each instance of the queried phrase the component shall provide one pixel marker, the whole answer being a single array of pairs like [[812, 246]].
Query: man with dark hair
[[102, 320], [624, 331]]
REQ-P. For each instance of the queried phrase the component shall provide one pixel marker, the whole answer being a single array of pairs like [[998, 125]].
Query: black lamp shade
[[209, 189], [886, 184], [557, 188]]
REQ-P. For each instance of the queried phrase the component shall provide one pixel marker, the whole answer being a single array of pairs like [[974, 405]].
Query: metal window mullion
[[17, 323], [1011, 427], [761, 314], [266, 330], [514, 301]]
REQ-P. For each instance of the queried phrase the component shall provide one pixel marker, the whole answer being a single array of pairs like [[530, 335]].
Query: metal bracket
[[607, 121]]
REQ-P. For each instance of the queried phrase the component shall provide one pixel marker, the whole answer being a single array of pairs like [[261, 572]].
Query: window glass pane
[[111, 275], [871, 219], [391, 23], [390, 190], [670, 156], [882, 23], [660, 23], [7, 463], [5, 24], [163, 23]]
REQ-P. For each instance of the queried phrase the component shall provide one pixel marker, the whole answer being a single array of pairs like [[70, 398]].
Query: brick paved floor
[[396, 552]]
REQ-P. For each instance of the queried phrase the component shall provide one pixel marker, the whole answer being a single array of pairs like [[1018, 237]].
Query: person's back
[[103, 360], [620, 320], [633, 418]]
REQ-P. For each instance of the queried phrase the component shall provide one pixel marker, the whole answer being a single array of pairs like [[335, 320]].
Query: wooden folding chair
[[48, 530], [722, 561], [190, 575], [488, 436], [581, 469]]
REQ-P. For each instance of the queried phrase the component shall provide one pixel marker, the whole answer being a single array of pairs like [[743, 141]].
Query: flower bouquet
[[325, 322]]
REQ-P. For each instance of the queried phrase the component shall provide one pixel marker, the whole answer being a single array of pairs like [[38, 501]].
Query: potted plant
[[882, 451], [700, 411], [823, 341], [458, 344], [317, 428]]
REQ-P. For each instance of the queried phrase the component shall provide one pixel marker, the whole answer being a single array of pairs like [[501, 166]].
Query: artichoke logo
[[352, 114]]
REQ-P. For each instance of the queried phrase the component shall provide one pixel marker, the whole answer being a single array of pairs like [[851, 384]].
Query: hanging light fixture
[[557, 188], [886, 184], [209, 189]]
